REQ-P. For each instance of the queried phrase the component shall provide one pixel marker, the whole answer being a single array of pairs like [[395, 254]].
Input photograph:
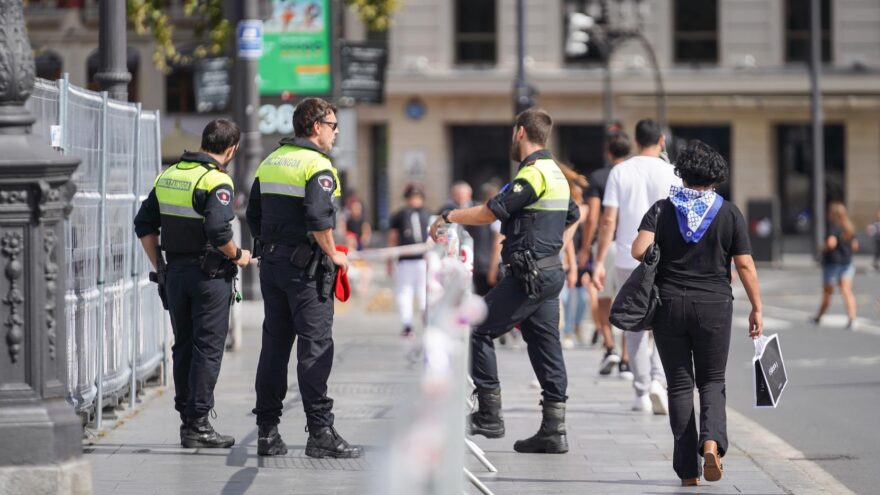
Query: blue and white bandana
[[695, 211]]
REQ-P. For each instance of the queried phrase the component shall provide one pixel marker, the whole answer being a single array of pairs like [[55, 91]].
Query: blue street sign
[[250, 38]]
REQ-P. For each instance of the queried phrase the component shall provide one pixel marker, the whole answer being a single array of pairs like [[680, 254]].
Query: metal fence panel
[[131, 332], [150, 316], [82, 138]]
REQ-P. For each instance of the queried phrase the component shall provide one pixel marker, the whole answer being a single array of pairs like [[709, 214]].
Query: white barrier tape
[[391, 253]]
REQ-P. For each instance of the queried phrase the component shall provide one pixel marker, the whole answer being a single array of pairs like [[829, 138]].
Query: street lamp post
[[112, 75], [607, 35], [41, 436], [246, 101], [523, 94], [818, 127]]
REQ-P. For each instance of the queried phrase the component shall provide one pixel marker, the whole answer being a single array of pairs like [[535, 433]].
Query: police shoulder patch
[[326, 182], [224, 196]]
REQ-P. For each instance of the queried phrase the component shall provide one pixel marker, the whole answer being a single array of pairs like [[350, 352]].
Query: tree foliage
[[376, 14], [212, 30]]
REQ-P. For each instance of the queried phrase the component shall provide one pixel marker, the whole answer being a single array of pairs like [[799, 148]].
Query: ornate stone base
[[68, 478]]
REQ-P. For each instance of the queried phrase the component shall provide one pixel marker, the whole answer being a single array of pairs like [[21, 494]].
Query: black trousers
[[539, 318], [692, 331], [199, 308], [292, 310]]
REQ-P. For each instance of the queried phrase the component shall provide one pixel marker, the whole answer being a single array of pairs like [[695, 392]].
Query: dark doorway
[[481, 153], [581, 146], [794, 153], [716, 136]]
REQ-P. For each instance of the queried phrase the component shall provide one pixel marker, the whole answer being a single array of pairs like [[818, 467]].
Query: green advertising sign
[[296, 48]]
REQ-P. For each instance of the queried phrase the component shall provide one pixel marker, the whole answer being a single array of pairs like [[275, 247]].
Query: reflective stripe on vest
[[176, 186], [287, 170], [549, 184]]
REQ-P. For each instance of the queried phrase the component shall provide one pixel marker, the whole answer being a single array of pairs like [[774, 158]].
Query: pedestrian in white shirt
[[633, 187]]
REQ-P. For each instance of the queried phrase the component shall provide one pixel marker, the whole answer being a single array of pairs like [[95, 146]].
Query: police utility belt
[[214, 264], [312, 260], [526, 268]]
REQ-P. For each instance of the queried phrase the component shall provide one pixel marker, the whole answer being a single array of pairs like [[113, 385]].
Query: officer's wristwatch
[[445, 215], [237, 254]]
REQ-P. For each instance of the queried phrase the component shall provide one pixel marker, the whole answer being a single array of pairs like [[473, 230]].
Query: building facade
[[734, 73]]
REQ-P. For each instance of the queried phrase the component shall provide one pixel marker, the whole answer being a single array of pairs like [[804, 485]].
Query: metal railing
[[117, 329]]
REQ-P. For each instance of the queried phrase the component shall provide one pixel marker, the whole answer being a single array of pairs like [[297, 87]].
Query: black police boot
[[324, 441], [551, 438], [200, 434], [269, 441], [182, 426], [487, 421]]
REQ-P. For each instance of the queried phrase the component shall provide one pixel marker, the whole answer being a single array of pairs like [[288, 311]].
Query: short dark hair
[[619, 145], [698, 164], [648, 132], [537, 123], [308, 112], [219, 135]]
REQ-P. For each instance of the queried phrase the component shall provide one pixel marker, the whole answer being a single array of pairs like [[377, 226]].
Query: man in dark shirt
[[534, 209], [190, 207], [409, 225], [618, 149]]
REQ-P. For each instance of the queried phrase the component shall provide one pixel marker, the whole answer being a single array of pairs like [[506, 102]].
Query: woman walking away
[[698, 233], [837, 262]]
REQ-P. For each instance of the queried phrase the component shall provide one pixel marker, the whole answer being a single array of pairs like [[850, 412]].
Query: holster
[[524, 267], [215, 265], [158, 277], [328, 278], [258, 248]]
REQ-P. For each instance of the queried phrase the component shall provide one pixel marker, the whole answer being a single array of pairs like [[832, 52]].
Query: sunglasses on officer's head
[[333, 125]]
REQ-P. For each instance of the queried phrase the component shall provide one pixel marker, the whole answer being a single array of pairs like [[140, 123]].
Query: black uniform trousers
[[199, 307], [692, 332], [539, 318], [292, 309]]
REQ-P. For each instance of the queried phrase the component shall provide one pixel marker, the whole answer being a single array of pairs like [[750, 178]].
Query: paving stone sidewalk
[[613, 450]]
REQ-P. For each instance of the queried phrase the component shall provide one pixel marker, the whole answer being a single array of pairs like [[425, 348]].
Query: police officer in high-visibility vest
[[535, 210], [291, 214], [190, 208]]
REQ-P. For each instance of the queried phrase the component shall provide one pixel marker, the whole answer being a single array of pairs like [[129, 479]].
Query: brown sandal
[[712, 461]]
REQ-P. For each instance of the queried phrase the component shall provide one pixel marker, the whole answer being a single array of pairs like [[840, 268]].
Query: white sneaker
[[642, 403], [567, 342], [659, 400]]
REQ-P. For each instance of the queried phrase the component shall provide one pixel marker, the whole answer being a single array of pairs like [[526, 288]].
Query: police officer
[[535, 209], [292, 215], [190, 207]]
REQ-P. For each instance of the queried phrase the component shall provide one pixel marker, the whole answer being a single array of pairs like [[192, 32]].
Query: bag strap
[[659, 210]]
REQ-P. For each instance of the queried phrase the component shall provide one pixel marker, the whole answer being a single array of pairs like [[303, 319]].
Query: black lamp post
[[41, 435]]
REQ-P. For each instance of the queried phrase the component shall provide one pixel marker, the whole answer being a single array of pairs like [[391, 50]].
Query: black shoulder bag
[[637, 300]]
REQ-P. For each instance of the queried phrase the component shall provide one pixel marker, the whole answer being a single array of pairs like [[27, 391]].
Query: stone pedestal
[[40, 436]]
